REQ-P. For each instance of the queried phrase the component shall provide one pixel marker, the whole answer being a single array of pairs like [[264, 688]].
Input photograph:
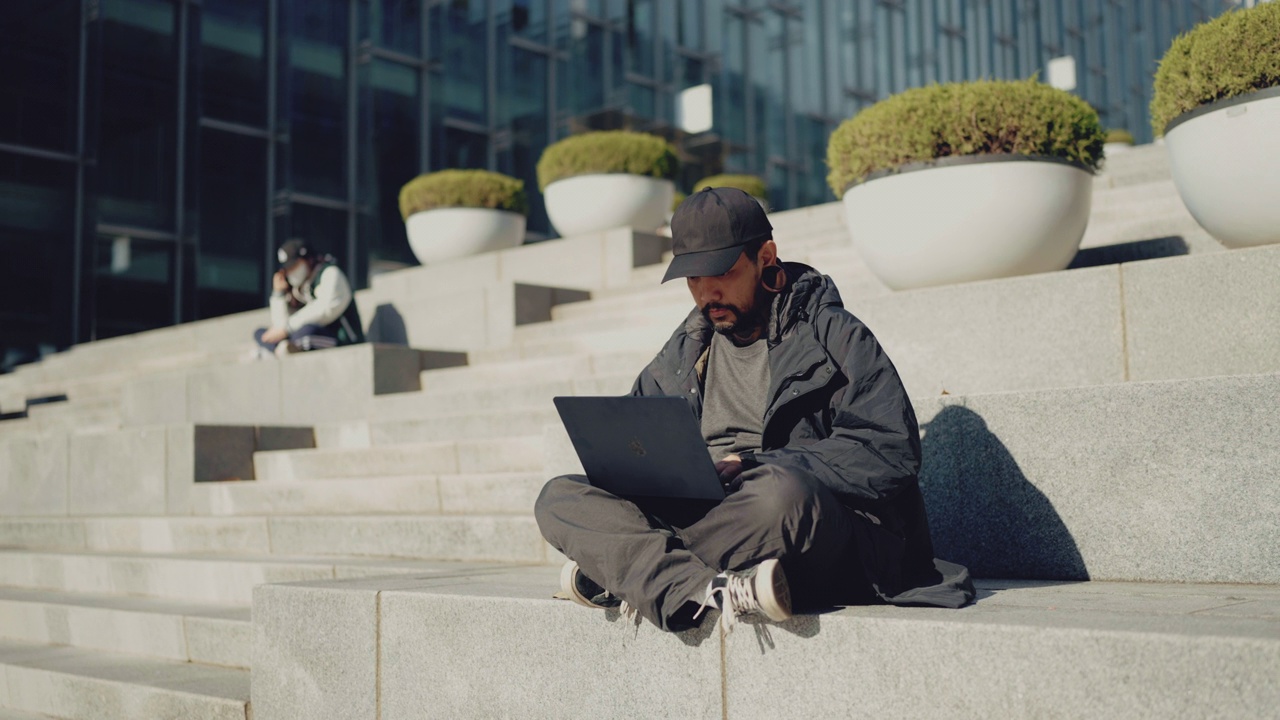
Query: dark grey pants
[[662, 569]]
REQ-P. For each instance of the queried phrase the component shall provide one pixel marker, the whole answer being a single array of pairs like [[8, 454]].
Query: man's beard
[[743, 323]]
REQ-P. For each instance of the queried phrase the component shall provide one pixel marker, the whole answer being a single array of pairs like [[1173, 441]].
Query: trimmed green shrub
[[676, 199], [610, 151], [1119, 135], [463, 188], [1235, 54], [750, 184], [990, 117]]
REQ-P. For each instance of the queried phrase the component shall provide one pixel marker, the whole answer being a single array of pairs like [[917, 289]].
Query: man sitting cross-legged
[[813, 436]]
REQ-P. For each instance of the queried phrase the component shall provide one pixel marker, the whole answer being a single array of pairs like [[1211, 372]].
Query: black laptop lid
[[644, 447]]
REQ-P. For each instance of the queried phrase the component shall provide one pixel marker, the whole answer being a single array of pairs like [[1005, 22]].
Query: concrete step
[[508, 454], [607, 340], [1138, 165], [284, 391], [79, 684], [639, 296], [1122, 201], [96, 414], [1090, 326], [642, 318], [184, 631], [465, 538], [533, 392], [472, 535], [497, 493], [94, 377], [1022, 650], [469, 425], [225, 579], [482, 373], [10, 714]]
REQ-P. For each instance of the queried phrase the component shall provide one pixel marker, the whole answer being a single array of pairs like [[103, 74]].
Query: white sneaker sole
[[570, 587], [772, 591]]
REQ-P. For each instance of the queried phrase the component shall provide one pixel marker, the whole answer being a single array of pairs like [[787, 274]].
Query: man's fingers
[[728, 470]]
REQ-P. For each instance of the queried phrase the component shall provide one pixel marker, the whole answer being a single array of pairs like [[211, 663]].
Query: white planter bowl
[[969, 220], [448, 233], [591, 203], [1226, 165]]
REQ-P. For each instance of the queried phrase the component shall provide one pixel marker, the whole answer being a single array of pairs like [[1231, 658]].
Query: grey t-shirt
[[734, 398]]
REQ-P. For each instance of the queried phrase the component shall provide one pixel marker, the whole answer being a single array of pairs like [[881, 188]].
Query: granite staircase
[[192, 534]]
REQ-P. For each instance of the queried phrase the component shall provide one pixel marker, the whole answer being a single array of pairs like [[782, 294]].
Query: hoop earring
[[773, 279]]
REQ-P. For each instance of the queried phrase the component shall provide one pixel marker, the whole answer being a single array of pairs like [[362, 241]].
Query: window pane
[[393, 142], [233, 68], [527, 19], [133, 285], [233, 197], [806, 63], [39, 48], [731, 106], [458, 41], [459, 148], [397, 25], [642, 101], [524, 99], [689, 23], [37, 224], [770, 43], [318, 97], [584, 86], [137, 139], [639, 37]]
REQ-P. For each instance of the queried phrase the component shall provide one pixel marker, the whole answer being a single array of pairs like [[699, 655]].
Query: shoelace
[[624, 607], [736, 598]]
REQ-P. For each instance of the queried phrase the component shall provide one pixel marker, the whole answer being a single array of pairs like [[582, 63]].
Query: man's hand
[[729, 469], [279, 283], [274, 335]]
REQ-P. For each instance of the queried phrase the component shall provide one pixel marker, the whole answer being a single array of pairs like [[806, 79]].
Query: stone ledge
[[144, 470], [336, 384], [1024, 649]]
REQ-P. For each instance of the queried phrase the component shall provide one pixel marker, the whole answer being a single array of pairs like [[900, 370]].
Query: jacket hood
[[806, 294]]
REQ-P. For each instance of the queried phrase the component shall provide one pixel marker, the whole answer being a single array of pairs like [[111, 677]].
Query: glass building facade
[[154, 152]]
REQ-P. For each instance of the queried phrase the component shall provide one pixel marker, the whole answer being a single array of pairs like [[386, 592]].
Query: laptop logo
[[637, 448]]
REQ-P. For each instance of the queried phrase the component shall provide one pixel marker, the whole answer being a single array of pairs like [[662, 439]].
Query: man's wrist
[[748, 459]]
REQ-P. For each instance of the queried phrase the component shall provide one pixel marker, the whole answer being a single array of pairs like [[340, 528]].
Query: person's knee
[[556, 489], [779, 493]]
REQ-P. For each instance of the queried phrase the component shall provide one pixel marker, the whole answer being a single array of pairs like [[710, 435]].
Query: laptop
[[641, 447]]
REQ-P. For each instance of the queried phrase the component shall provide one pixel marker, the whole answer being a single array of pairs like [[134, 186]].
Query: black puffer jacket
[[838, 412]]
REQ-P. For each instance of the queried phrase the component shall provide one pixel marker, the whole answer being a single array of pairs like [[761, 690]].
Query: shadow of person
[[387, 326], [983, 512]]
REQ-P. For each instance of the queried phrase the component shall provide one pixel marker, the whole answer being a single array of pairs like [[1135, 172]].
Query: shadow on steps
[[1130, 252], [983, 512]]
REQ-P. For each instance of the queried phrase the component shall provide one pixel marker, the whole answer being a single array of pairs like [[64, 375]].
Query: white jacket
[[331, 296]]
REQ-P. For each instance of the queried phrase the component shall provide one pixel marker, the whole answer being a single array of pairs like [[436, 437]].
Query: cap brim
[[708, 263]]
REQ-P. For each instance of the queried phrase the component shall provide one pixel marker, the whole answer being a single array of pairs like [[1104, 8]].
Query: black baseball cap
[[709, 230], [291, 250]]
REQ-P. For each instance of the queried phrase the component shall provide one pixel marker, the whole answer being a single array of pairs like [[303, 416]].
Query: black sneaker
[[760, 590], [583, 590]]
